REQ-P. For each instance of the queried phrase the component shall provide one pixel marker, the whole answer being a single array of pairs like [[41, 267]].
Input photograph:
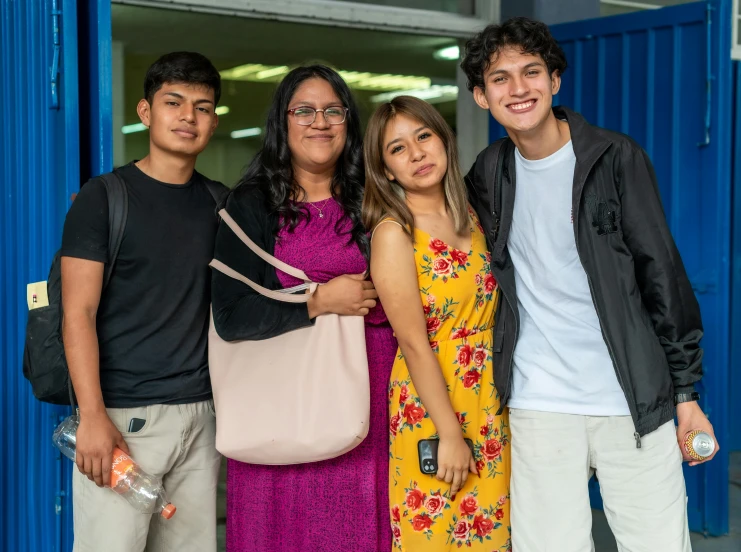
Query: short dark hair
[[182, 67], [530, 36]]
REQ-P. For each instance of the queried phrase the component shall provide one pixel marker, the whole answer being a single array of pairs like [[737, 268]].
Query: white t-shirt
[[561, 361]]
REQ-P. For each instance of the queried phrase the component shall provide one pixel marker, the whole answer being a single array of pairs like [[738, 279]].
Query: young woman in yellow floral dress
[[430, 265]]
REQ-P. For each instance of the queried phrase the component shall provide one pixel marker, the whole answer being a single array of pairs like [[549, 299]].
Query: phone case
[[427, 451]]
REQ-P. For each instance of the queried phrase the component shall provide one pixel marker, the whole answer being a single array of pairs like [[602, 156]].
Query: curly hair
[[271, 169], [530, 36]]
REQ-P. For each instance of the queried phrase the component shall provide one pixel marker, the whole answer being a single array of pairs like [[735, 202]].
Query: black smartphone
[[427, 450], [136, 424]]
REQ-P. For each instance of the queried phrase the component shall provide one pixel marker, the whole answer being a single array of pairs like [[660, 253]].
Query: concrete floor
[[603, 539]]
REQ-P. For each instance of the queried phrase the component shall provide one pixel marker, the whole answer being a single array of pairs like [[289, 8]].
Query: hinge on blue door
[[705, 282], [56, 17], [708, 71]]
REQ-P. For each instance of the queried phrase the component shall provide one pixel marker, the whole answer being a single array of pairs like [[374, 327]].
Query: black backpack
[[44, 362]]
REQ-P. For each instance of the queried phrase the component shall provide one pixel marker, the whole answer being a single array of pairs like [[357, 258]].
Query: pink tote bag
[[303, 396]]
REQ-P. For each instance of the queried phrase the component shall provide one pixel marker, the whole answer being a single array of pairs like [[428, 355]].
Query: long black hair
[[271, 169]]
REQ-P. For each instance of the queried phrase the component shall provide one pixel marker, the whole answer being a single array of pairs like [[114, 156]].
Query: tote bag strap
[[257, 250], [285, 295]]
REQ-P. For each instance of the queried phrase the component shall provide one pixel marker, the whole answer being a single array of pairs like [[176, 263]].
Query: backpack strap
[[118, 211], [218, 191]]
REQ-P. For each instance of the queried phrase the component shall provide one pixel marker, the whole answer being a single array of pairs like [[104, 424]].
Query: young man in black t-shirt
[[137, 350]]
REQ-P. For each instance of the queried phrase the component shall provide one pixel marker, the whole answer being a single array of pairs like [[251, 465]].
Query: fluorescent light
[[129, 129], [449, 53], [222, 110], [246, 132], [272, 72], [256, 72], [434, 94]]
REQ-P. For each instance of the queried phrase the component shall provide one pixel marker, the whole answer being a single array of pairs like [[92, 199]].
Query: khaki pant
[[176, 444], [643, 490]]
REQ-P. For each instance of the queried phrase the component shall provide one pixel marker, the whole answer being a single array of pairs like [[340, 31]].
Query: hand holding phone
[[451, 466]]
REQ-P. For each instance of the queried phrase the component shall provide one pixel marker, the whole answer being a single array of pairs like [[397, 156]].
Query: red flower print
[[415, 499], [502, 500], [480, 465], [396, 530], [469, 505], [464, 355], [442, 266], [435, 504], [499, 514], [488, 257], [459, 256], [460, 332], [490, 419], [433, 324], [395, 514], [403, 394], [431, 299], [437, 246], [470, 379], [461, 530], [479, 280], [395, 422], [481, 228], [421, 523], [489, 283], [482, 525], [413, 414], [491, 449], [479, 356], [433, 344], [426, 309], [391, 392], [461, 417], [484, 430]]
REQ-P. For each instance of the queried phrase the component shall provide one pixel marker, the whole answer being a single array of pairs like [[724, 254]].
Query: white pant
[[643, 490], [177, 443]]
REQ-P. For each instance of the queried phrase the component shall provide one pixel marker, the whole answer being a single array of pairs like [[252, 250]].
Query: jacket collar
[[587, 142]]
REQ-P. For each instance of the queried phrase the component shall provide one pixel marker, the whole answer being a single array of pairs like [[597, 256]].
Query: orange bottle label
[[122, 464]]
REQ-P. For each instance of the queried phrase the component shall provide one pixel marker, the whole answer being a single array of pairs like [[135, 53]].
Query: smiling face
[[413, 155], [181, 118], [315, 147], [518, 90]]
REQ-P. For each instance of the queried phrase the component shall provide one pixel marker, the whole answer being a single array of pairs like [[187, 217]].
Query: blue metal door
[[664, 77], [39, 170]]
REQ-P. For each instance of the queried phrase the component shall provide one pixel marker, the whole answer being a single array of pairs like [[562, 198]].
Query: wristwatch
[[686, 397]]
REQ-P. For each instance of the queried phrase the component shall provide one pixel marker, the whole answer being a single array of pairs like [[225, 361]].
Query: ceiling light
[[381, 82], [246, 132], [272, 72], [434, 94], [222, 110], [129, 129], [449, 53]]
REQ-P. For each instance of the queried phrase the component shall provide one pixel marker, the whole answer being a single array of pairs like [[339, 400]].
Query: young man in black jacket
[[597, 336], [136, 350]]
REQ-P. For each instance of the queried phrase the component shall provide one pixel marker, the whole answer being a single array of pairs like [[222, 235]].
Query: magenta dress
[[339, 504]]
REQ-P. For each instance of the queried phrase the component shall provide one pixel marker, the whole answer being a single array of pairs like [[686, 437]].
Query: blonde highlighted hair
[[385, 198]]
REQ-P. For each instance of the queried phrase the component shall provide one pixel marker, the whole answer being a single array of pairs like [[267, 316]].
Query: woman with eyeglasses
[[300, 200]]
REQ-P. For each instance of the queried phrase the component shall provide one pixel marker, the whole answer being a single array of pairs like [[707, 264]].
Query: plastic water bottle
[[140, 489]]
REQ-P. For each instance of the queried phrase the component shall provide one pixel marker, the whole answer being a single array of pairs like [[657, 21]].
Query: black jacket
[[648, 312], [240, 312]]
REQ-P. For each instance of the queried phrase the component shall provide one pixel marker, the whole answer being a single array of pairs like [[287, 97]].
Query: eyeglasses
[[334, 115]]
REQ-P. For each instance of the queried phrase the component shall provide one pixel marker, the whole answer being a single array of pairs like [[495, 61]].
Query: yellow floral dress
[[459, 297]]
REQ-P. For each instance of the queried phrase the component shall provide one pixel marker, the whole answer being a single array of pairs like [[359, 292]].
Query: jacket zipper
[[631, 406]]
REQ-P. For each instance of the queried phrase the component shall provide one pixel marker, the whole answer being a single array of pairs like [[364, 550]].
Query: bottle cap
[[168, 511]]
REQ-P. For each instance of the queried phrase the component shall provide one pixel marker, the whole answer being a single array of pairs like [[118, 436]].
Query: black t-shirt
[[153, 316]]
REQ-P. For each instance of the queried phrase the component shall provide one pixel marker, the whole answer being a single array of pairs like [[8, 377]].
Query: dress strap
[[380, 223]]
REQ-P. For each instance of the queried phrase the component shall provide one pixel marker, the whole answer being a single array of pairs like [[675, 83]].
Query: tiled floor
[[603, 539]]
